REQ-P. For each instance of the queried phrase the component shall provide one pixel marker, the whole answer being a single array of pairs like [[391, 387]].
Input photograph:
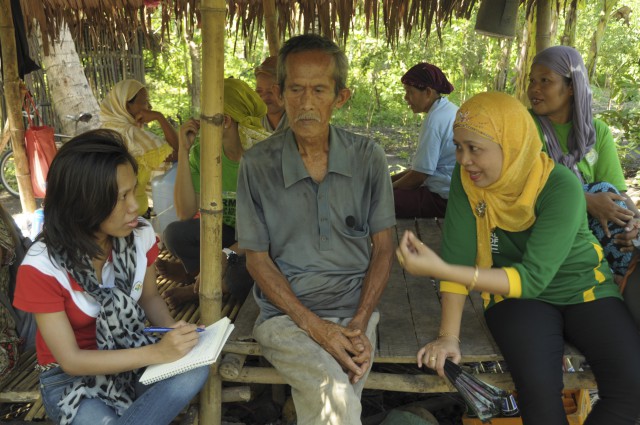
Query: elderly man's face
[[264, 87], [309, 93]]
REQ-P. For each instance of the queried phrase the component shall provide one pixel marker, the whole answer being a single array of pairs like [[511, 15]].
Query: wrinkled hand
[[416, 257], [624, 240], [436, 352], [188, 132], [364, 351], [178, 342], [146, 116], [602, 206], [344, 345]]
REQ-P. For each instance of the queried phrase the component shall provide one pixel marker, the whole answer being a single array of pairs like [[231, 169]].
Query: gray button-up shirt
[[317, 234]]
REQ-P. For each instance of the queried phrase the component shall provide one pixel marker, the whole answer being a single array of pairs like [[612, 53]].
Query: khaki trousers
[[321, 390]]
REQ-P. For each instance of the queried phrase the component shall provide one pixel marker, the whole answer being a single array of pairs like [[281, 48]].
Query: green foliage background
[[467, 58]]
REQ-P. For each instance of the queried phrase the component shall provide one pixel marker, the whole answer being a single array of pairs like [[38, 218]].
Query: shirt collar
[[294, 171]]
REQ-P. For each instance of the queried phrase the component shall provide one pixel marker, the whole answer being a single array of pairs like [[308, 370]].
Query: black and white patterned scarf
[[119, 325]]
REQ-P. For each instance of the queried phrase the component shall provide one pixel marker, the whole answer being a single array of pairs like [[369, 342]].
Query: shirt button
[[324, 238]]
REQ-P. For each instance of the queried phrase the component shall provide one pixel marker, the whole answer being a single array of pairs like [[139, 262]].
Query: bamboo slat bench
[[410, 316]]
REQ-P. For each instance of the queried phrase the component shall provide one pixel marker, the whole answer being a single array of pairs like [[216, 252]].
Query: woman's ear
[[227, 121]]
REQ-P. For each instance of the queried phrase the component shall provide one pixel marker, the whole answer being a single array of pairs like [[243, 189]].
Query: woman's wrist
[[449, 335]]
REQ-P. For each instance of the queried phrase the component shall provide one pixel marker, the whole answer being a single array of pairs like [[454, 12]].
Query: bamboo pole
[[213, 14], [415, 383], [271, 26], [543, 25], [13, 98]]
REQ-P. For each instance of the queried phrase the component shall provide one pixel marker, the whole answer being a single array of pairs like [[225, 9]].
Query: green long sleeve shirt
[[556, 260]]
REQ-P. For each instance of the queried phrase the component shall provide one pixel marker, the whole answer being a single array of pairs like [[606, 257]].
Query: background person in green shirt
[[513, 231], [243, 110], [561, 103]]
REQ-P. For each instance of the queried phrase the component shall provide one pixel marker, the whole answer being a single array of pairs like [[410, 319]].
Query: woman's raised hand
[[417, 258], [146, 116], [188, 132]]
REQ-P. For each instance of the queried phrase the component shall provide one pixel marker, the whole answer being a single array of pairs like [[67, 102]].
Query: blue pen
[[161, 330]]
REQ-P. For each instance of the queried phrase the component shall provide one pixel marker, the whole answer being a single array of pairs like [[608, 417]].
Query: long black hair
[[82, 191]]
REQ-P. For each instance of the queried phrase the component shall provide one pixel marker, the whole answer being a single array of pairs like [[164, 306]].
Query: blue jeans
[[155, 404]]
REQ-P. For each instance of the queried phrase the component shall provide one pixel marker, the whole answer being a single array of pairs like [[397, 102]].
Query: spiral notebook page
[[205, 352]]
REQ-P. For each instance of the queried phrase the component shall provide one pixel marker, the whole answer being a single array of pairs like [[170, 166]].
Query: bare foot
[[179, 295], [173, 270]]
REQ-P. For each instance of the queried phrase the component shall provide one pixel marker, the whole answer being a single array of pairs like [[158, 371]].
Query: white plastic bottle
[[162, 195], [37, 221]]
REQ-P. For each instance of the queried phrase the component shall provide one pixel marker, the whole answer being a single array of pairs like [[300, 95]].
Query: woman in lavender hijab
[[561, 104]]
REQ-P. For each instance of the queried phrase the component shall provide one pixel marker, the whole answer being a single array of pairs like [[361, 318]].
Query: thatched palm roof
[[332, 18]]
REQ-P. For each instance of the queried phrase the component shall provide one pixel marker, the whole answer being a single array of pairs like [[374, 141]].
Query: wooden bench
[[410, 316]]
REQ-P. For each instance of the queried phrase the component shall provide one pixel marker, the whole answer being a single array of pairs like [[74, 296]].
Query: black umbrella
[[485, 400]]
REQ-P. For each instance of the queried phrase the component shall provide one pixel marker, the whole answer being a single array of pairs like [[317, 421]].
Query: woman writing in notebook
[[90, 281], [516, 230]]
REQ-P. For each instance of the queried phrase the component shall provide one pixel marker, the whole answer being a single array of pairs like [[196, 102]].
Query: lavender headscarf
[[567, 62]]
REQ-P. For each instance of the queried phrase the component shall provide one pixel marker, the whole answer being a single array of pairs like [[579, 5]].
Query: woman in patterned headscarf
[[422, 190], [242, 128], [516, 231], [560, 98], [126, 109]]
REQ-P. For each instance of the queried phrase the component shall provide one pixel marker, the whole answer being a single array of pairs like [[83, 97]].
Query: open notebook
[[205, 352]]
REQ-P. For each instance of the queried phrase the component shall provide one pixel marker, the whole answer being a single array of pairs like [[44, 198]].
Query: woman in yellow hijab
[[126, 109], [516, 230]]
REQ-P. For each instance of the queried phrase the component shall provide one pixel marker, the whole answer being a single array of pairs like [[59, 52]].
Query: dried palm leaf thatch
[[331, 18]]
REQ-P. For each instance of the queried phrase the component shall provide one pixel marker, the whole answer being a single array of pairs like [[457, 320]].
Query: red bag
[[41, 148]]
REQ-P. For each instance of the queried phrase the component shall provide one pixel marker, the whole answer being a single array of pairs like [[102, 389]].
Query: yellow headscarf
[[114, 116], [245, 107], [148, 149], [509, 202]]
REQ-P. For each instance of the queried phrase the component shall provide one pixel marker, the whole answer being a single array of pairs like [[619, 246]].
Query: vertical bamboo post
[[13, 98], [213, 14], [543, 25], [271, 27]]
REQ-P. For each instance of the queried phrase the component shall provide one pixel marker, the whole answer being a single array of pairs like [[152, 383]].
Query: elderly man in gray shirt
[[315, 214]]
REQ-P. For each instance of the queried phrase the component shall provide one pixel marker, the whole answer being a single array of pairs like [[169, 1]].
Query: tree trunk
[[271, 26], [69, 88], [523, 63], [196, 74], [502, 67], [570, 21], [13, 97], [596, 39], [543, 25]]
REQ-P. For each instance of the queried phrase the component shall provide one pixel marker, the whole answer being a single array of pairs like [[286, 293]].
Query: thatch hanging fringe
[[332, 18]]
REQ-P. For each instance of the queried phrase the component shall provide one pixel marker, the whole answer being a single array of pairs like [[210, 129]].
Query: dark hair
[[310, 42], [82, 191]]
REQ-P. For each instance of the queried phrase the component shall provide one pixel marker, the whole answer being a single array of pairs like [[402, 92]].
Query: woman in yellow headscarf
[[516, 230], [242, 128], [126, 109]]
